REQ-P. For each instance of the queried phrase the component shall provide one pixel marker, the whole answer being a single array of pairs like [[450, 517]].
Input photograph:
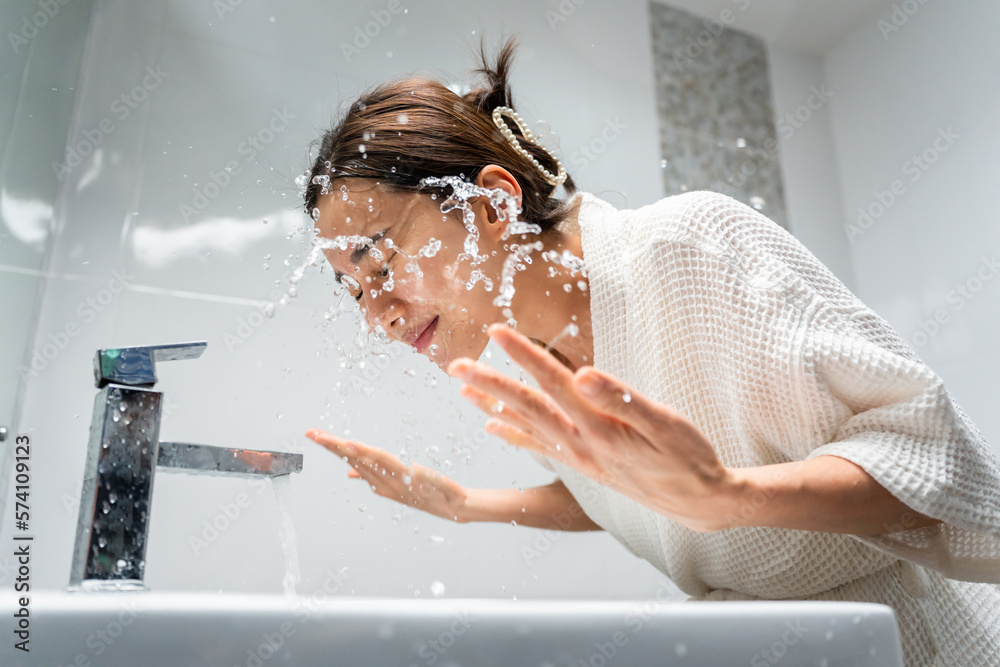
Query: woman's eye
[[384, 271]]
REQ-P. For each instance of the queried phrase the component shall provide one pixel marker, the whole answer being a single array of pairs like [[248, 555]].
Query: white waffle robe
[[702, 303]]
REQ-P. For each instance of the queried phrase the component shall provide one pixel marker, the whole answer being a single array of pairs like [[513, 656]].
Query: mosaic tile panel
[[713, 95]]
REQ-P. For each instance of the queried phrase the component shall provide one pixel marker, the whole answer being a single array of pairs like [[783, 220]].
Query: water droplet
[[627, 397], [361, 508], [437, 589], [402, 119], [681, 649]]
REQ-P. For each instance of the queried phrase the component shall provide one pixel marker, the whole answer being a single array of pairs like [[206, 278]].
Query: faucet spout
[[230, 462], [122, 457]]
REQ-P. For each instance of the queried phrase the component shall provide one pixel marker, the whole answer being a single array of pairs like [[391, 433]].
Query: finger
[[342, 448], [552, 376], [352, 450], [495, 408], [533, 405], [518, 438], [613, 397], [545, 368], [370, 476]]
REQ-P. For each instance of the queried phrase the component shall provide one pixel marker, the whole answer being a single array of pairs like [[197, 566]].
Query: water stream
[[286, 532]]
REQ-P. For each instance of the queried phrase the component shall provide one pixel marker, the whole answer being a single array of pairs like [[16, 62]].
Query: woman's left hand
[[593, 422]]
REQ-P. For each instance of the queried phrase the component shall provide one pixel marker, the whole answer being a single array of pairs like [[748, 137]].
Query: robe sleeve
[[894, 417], [907, 432]]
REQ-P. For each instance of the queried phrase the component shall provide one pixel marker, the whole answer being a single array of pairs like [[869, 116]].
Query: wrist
[[468, 506], [736, 501]]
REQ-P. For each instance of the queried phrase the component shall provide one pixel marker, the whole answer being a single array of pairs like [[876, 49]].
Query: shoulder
[[691, 218], [700, 212]]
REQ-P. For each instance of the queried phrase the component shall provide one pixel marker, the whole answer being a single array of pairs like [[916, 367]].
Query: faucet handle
[[136, 366]]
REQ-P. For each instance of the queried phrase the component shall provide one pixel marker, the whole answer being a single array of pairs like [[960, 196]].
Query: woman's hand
[[413, 485], [593, 422]]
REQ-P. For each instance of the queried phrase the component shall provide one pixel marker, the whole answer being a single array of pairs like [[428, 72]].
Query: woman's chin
[[440, 358]]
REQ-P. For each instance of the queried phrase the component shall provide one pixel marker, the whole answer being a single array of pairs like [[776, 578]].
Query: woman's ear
[[494, 176]]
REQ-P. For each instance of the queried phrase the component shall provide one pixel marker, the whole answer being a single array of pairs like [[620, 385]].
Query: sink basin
[[190, 629]]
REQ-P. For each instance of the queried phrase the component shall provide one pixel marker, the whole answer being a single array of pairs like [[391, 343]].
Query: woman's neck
[[546, 311]]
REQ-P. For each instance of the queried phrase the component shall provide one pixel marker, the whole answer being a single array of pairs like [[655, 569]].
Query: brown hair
[[416, 127]]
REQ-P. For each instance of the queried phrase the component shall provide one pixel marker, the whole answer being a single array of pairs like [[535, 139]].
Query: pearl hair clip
[[498, 114]]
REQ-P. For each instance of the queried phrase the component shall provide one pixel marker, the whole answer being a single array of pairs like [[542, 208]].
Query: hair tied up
[[402, 131]]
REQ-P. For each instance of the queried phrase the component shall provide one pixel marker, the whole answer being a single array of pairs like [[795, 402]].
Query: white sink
[[140, 629]]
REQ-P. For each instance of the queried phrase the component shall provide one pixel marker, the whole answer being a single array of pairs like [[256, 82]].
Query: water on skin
[[462, 192]]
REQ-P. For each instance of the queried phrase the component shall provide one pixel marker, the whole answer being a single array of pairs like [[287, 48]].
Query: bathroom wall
[[802, 104], [717, 124], [177, 227], [916, 139], [39, 69]]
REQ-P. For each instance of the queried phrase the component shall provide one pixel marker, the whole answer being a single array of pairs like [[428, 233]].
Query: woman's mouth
[[424, 339]]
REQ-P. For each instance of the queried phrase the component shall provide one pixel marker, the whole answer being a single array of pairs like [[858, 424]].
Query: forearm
[[827, 494], [551, 506]]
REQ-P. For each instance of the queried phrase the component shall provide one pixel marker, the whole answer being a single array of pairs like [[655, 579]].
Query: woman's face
[[417, 289]]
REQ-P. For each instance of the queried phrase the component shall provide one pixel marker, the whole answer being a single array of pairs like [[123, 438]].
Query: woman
[[708, 392]]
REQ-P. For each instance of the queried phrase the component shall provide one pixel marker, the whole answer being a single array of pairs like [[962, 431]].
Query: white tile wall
[[264, 381], [896, 90]]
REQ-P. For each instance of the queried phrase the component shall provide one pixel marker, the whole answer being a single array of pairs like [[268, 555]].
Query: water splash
[[567, 260], [517, 260], [571, 330], [462, 191], [431, 248]]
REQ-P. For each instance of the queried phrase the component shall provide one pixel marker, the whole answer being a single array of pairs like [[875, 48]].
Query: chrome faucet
[[122, 457]]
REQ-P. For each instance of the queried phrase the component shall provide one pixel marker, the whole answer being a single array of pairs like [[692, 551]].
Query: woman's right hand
[[414, 485]]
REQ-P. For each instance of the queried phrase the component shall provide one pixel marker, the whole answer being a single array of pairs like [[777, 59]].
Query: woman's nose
[[385, 312]]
